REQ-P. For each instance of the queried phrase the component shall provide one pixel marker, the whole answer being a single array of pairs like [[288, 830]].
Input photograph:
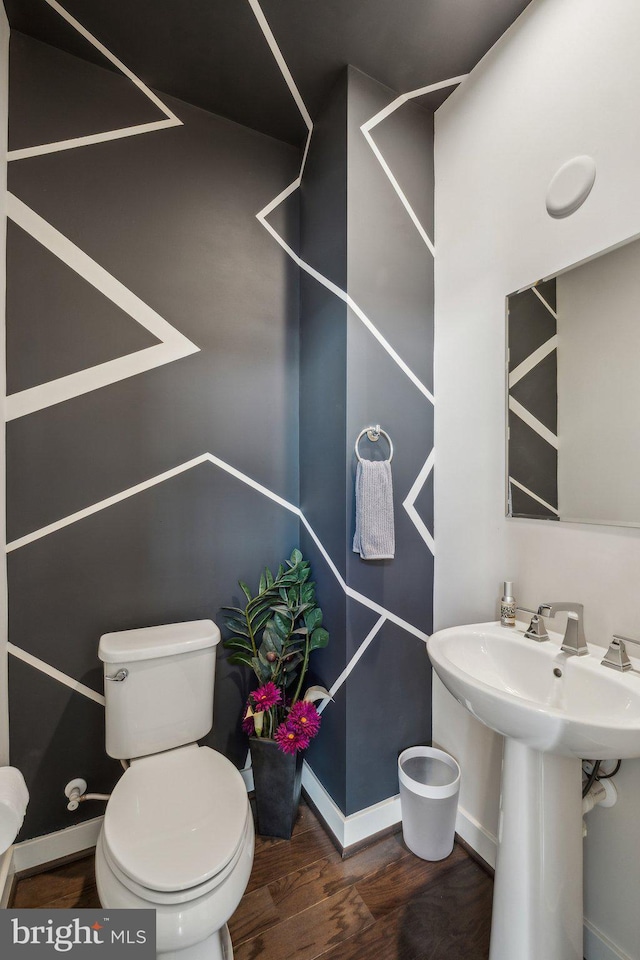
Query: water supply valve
[[73, 791]]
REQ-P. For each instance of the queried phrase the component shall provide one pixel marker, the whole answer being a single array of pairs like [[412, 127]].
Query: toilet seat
[[164, 898], [175, 823]]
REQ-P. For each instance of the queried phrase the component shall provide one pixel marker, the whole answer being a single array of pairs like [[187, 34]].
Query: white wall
[[565, 80], [599, 388], [4, 116]]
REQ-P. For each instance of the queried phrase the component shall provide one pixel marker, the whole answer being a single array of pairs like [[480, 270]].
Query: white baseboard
[[357, 826], [6, 877], [597, 945], [478, 838], [53, 846]]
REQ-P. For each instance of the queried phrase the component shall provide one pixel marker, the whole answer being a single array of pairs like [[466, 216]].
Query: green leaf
[[245, 589], [262, 586], [307, 592], [313, 618], [268, 576], [235, 610], [241, 659], [260, 621], [282, 625], [319, 638], [280, 572], [296, 556], [294, 663], [272, 638], [262, 671], [237, 626], [237, 643], [292, 596]]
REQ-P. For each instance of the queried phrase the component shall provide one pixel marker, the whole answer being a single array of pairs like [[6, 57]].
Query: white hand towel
[[375, 535]]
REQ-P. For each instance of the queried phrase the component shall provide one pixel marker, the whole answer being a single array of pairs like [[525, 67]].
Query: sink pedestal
[[537, 901]]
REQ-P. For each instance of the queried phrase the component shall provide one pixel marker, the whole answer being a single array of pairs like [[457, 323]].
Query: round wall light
[[570, 186]]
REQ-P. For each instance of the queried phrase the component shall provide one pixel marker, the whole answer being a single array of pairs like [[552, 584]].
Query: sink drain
[[557, 672]]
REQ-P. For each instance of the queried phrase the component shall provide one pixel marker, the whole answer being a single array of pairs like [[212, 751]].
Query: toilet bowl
[[178, 833]]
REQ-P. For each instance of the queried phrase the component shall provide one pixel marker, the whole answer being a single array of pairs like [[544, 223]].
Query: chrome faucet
[[574, 642]]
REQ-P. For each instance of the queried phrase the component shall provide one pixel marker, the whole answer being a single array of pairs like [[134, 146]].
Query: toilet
[[178, 832]]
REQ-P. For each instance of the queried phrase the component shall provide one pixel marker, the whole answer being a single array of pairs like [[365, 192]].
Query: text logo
[[31, 934]]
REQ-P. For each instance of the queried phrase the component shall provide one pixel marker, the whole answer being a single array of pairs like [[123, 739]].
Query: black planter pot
[[277, 778]]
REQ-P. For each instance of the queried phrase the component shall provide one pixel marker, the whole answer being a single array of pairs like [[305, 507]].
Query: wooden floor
[[303, 901]]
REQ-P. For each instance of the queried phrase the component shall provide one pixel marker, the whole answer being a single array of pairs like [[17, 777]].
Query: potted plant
[[274, 635]]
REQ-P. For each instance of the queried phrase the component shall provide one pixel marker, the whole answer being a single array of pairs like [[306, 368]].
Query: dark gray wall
[[170, 214], [386, 268], [323, 402]]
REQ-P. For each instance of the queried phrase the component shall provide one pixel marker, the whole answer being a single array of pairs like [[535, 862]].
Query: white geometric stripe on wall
[[384, 614], [228, 468], [409, 502], [527, 365], [527, 417], [382, 115], [335, 686], [174, 345], [56, 674], [533, 495], [544, 302], [170, 118]]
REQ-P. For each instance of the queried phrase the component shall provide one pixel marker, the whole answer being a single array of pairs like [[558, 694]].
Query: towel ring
[[374, 434]]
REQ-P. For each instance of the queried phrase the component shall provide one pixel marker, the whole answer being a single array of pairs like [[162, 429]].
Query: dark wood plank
[[306, 820], [255, 914], [317, 881], [380, 941], [451, 918], [312, 933], [400, 882], [75, 883], [283, 857]]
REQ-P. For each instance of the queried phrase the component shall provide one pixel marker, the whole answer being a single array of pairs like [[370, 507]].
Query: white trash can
[[429, 787]]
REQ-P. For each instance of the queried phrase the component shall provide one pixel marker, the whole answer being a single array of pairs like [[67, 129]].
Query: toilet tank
[[165, 698]]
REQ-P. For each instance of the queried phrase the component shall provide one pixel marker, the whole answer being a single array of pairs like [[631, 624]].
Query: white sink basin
[[511, 684], [552, 709]]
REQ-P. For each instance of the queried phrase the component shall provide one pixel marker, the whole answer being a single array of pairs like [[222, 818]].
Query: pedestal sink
[[553, 709]]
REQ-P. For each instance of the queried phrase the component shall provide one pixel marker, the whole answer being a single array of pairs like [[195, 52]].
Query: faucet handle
[[616, 656], [537, 630]]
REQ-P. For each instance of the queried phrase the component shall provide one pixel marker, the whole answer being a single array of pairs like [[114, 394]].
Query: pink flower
[[305, 717], [290, 738], [248, 725], [266, 697]]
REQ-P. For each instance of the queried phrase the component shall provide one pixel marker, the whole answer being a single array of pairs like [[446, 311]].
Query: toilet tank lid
[[147, 643]]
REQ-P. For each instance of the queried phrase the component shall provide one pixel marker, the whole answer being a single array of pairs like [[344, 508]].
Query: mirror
[[573, 393]]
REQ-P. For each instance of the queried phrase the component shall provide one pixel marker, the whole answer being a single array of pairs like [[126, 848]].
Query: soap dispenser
[[508, 606]]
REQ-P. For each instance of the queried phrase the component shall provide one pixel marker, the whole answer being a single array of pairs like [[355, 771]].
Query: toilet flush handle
[[119, 676]]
